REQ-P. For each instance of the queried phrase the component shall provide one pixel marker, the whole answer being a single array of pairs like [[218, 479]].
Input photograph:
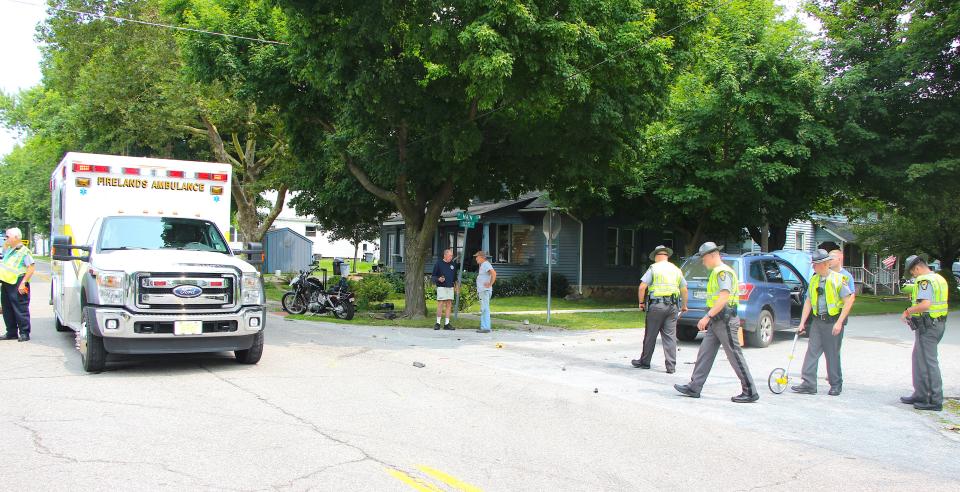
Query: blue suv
[[771, 293]]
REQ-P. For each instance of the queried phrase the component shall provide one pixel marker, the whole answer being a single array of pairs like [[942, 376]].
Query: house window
[[400, 247], [391, 249], [626, 247], [521, 243], [501, 252], [800, 241], [613, 245], [311, 231], [668, 239]]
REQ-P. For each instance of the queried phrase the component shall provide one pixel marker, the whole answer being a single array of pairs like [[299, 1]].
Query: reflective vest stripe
[[666, 279], [713, 286], [831, 290], [938, 305]]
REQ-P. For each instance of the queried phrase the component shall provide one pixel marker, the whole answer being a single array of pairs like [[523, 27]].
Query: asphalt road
[[332, 407]]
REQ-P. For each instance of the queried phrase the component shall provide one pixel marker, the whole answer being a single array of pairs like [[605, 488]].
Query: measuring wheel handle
[[778, 380]]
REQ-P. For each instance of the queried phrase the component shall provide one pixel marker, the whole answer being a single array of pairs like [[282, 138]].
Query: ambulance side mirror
[[63, 249]]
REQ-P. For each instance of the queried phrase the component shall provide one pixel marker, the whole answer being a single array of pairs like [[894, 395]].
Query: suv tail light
[[745, 290]]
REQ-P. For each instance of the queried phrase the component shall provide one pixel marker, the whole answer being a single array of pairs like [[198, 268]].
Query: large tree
[[745, 141], [427, 104], [895, 80]]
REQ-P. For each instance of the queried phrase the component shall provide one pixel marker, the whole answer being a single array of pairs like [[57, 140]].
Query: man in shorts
[[445, 277]]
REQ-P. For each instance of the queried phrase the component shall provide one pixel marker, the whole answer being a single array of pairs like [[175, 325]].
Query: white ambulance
[[141, 265]]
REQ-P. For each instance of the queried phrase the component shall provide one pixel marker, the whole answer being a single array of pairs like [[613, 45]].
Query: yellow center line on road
[[449, 480], [412, 482]]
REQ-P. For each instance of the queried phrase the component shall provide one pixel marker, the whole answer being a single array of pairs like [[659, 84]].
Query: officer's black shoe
[[686, 391], [24, 338], [448, 326], [908, 400], [804, 390], [639, 365], [436, 326], [671, 371], [9, 337], [928, 406], [835, 390], [745, 398]]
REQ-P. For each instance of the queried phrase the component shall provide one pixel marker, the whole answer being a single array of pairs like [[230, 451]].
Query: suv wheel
[[763, 335], [687, 333]]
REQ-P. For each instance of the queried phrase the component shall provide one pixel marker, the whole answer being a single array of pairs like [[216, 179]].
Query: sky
[[21, 60]]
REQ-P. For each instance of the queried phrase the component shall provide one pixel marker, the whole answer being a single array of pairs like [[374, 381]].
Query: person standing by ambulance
[[16, 269]]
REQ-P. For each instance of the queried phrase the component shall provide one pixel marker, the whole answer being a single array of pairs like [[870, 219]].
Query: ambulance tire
[[95, 356], [251, 355]]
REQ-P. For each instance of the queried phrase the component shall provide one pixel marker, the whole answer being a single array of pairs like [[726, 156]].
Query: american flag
[[889, 261]]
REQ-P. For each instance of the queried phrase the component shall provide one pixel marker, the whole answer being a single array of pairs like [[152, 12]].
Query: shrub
[[373, 289], [522, 284], [560, 286], [397, 281], [468, 292]]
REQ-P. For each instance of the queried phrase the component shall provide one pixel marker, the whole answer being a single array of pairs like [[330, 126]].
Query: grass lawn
[[41, 258], [274, 292], [364, 319], [328, 264], [582, 321], [870, 304]]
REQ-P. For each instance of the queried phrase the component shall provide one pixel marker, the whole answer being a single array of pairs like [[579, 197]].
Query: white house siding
[[322, 244], [804, 227]]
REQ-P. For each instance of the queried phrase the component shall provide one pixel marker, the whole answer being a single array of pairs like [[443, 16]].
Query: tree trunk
[[777, 237], [415, 258], [356, 247]]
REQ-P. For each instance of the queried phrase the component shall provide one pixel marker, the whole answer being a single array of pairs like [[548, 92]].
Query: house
[[596, 253], [322, 244]]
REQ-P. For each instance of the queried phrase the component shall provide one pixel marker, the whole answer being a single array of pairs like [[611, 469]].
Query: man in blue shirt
[[445, 277]]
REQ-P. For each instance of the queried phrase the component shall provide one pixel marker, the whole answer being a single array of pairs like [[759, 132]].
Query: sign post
[[551, 229], [467, 221]]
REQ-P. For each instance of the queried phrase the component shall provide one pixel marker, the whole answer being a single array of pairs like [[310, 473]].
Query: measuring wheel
[[778, 380]]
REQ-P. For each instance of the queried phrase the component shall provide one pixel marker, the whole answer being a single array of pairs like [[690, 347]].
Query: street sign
[[551, 224], [468, 223], [465, 216]]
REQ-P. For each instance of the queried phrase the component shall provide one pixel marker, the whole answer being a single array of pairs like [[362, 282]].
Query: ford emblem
[[187, 291]]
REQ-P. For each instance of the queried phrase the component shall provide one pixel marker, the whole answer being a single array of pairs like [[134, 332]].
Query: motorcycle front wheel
[[344, 311], [293, 304]]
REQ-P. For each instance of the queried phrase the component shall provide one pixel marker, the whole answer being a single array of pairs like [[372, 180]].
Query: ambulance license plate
[[188, 327]]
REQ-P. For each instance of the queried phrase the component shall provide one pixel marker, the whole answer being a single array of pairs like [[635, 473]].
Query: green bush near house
[[373, 289], [396, 281], [531, 284], [468, 293]]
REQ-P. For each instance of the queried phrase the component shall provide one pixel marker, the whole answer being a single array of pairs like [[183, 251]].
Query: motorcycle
[[307, 293]]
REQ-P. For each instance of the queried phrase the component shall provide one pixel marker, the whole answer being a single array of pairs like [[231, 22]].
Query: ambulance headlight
[[251, 289], [110, 287]]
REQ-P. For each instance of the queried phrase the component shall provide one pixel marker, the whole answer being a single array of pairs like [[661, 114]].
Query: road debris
[[419, 364]]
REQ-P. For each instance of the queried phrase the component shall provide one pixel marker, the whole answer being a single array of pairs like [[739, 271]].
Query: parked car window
[[693, 268], [772, 270], [790, 276], [756, 271]]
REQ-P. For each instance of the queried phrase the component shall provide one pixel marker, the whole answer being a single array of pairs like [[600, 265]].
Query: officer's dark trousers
[[662, 319], [822, 342], [16, 309], [927, 383], [722, 334]]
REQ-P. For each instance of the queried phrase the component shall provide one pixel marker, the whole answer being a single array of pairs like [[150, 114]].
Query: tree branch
[[368, 184], [216, 142], [274, 211]]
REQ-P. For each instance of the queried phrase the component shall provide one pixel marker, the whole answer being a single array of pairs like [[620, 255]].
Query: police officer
[[720, 326], [667, 288], [928, 318], [830, 300], [16, 268]]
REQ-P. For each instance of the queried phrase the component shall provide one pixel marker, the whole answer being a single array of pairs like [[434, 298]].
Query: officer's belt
[[826, 317], [672, 300]]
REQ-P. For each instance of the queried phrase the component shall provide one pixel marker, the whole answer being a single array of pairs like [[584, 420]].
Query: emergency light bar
[[175, 174], [131, 170], [211, 176], [88, 168]]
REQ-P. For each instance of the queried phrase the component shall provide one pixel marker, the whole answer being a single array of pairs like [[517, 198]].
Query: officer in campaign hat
[[720, 326], [667, 290], [927, 316], [829, 301]]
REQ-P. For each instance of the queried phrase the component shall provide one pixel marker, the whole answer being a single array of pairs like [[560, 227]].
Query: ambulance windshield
[[124, 233]]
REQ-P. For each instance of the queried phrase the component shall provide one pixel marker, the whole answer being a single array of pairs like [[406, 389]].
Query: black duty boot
[[835, 390], [933, 407], [745, 398], [639, 365], [908, 400], [436, 326], [686, 390], [448, 326], [803, 390], [24, 338]]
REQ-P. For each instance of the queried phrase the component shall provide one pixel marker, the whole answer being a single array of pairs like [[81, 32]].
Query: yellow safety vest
[[11, 268], [831, 290], [938, 305], [713, 286], [666, 279]]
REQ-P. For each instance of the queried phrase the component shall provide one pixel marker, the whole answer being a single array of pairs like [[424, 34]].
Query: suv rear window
[[693, 268]]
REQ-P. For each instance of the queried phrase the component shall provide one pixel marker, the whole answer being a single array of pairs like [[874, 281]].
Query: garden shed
[[286, 251]]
